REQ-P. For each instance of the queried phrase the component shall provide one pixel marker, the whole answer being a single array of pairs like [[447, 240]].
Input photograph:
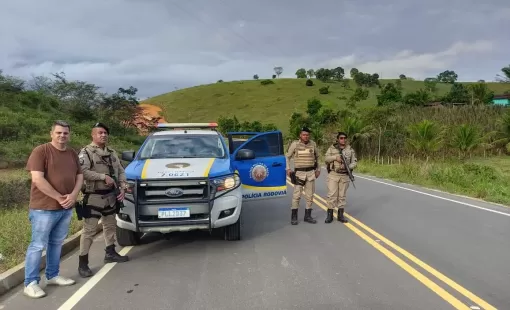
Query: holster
[[293, 177], [82, 209], [78, 207]]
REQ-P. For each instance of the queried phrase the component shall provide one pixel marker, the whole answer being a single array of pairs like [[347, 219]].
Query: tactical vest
[[304, 155], [335, 151], [99, 162]]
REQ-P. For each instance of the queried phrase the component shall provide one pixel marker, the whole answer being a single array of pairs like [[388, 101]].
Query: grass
[[274, 103], [16, 232], [487, 179]]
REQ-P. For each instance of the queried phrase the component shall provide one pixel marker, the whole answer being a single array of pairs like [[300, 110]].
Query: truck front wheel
[[233, 232], [127, 237]]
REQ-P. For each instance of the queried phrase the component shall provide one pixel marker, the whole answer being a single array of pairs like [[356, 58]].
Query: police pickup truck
[[187, 176]]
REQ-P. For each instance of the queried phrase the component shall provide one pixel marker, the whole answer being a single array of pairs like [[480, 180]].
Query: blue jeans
[[49, 229]]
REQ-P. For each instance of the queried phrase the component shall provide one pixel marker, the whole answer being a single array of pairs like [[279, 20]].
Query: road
[[404, 248]]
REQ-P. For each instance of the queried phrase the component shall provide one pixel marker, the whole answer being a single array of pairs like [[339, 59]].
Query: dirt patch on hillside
[[148, 116], [152, 111]]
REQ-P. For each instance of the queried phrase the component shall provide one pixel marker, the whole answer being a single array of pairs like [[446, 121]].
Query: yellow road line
[[480, 302], [408, 268]]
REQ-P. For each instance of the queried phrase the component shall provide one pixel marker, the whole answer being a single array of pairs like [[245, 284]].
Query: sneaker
[[60, 281], [33, 290]]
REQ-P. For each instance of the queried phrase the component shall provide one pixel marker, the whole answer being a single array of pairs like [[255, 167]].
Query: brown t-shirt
[[60, 169]]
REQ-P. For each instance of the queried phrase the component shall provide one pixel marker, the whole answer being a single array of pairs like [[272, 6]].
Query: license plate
[[164, 213]]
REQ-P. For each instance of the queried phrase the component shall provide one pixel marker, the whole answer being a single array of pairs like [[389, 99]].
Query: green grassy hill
[[273, 103]]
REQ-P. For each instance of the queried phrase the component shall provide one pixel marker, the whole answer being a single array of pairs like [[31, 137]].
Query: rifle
[[118, 204], [349, 172]]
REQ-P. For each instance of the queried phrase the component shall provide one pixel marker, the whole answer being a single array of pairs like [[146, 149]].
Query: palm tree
[[357, 131], [504, 132], [480, 93], [425, 137], [466, 138]]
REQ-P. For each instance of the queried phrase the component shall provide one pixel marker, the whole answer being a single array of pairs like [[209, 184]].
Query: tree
[[359, 94], [310, 73], [466, 138], [480, 93], [402, 77], [418, 98], [301, 73], [366, 79], [431, 84], [256, 77], [313, 107], [457, 94], [323, 74], [389, 94], [338, 73], [353, 72], [425, 137], [278, 70], [506, 75], [447, 76]]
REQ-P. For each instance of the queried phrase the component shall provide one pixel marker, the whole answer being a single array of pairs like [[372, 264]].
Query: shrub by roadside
[[484, 179]]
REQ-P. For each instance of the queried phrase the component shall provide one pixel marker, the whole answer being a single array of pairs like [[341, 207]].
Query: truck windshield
[[183, 146]]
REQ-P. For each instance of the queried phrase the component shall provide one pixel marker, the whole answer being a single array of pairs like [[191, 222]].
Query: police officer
[[100, 164], [338, 178], [305, 154]]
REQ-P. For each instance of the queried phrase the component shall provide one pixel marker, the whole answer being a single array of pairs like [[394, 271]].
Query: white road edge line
[[79, 294], [435, 196]]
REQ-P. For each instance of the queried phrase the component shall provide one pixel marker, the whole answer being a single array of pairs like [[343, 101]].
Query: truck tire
[[233, 232], [127, 237]]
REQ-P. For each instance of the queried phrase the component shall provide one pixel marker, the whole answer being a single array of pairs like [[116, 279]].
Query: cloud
[[427, 64], [160, 45]]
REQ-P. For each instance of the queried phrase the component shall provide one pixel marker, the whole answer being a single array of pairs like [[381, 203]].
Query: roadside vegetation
[[27, 110], [439, 132]]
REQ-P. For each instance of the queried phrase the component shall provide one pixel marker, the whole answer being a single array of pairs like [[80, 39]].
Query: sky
[[159, 46]]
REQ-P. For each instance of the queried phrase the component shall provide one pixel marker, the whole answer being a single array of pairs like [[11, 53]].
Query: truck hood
[[162, 168]]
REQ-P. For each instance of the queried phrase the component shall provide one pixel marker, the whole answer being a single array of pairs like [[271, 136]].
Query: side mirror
[[245, 154], [128, 155]]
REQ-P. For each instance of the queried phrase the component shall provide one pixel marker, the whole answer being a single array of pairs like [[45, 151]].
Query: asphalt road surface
[[404, 248]]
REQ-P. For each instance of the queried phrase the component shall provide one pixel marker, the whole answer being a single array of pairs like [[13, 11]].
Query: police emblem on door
[[259, 172]]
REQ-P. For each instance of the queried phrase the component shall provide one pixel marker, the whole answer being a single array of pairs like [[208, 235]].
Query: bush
[[309, 82], [324, 90], [266, 82]]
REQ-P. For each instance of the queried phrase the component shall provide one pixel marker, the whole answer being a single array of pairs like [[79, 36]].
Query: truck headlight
[[228, 182], [130, 187]]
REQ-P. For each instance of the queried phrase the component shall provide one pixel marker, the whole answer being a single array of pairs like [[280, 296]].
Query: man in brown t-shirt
[[56, 181]]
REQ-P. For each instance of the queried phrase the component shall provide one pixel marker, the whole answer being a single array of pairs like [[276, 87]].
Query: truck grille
[[172, 191]]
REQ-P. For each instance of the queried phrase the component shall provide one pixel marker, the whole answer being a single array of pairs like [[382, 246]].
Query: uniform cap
[[101, 125]]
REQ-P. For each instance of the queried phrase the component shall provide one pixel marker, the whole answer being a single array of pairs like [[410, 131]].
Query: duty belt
[[305, 169], [100, 192]]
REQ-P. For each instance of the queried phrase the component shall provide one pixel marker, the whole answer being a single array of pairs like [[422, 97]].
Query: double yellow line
[[456, 303]]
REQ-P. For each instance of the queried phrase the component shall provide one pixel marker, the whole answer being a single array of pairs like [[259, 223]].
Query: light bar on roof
[[187, 125]]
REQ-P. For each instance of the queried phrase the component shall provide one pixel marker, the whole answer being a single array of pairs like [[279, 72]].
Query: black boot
[[112, 256], [83, 267], [329, 218], [308, 217], [340, 216], [293, 220]]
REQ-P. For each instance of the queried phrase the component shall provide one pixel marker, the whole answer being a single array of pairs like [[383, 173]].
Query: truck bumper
[[226, 210]]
